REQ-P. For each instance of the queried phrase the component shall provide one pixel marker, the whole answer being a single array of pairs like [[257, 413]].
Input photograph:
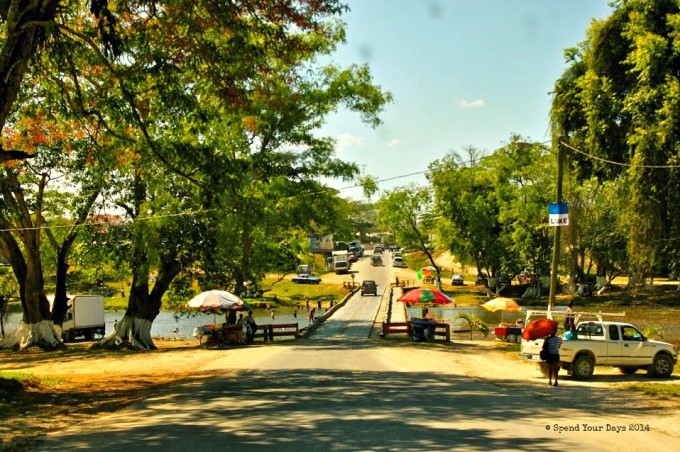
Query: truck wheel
[[583, 367], [662, 367], [628, 370]]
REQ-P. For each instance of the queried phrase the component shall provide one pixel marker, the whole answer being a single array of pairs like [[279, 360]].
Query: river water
[[168, 325]]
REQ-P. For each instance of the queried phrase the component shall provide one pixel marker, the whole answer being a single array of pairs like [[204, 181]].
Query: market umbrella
[[539, 328], [425, 271], [502, 304], [217, 300], [425, 296]]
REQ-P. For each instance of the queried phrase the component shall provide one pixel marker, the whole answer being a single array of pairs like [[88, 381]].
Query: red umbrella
[[539, 328], [425, 296]]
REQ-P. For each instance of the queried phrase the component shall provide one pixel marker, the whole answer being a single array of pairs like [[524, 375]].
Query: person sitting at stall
[[519, 323], [251, 326]]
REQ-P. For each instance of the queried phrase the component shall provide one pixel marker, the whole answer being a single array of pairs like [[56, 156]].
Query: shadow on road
[[319, 409]]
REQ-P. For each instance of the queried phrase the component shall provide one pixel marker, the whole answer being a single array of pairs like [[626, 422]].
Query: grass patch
[[660, 390], [507, 347], [289, 293], [22, 376]]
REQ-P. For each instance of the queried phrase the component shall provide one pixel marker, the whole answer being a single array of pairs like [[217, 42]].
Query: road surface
[[344, 390]]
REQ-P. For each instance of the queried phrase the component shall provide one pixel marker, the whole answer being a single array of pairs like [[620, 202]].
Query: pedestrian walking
[[551, 348], [310, 316]]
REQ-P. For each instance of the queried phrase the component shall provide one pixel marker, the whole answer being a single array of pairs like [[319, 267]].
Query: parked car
[[481, 280], [306, 278], [398, 262], [359, 251], [457, 280], [504, 279], [376, 261], [351, 257], [369, 287]]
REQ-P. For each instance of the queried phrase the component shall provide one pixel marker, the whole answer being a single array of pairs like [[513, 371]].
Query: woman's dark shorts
[[552, 359]]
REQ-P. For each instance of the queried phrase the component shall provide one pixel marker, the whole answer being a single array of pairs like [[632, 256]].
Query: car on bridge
[[398, 262], [306, 278], [369, 287]]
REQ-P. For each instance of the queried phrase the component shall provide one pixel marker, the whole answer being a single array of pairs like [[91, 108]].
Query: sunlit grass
[[660, 390], [287, 292], [22, 376]]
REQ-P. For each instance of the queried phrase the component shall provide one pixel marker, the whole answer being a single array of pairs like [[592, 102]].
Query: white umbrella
[[217, 299]]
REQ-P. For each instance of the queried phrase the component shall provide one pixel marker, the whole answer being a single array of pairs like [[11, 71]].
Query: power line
[[611, 162], [401, 176]]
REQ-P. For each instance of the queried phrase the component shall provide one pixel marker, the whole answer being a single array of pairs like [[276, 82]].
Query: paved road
[[341, 390], [355, 320]]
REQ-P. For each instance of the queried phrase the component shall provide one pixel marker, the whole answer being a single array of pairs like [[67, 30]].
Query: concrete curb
[[309, 330]]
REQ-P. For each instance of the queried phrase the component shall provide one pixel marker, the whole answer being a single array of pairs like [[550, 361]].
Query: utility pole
[[556, 242]]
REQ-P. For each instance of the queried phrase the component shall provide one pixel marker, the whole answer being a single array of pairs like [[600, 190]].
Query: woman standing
[[569, 318], [552, 345]]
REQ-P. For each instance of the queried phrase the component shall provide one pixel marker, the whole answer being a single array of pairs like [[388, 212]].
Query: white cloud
[[345, 140], [393, 143], [477, 103]]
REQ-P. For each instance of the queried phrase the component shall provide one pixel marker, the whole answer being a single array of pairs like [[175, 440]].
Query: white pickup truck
[[601, 343]]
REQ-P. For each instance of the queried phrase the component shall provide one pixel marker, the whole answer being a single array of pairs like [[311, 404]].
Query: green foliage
[[203, 142], [618, 101], [653, 331], [492, 213], [405, 212], [474, 322]]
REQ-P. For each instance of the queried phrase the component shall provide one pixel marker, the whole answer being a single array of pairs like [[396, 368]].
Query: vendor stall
[[220, 335], [422, 330], [508, 333]]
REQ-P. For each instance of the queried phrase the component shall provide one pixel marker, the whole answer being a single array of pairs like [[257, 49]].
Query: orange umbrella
[[539, 328], [502, 304]]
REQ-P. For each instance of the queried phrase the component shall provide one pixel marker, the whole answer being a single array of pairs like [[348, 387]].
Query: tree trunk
[[60, 305], [22, 26]]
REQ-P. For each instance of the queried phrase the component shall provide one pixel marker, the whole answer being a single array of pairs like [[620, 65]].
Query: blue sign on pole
[[558, 214]]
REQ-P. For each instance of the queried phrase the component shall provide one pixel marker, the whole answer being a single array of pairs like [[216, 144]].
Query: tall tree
[[407, 213], [228, 102], [618, 102]]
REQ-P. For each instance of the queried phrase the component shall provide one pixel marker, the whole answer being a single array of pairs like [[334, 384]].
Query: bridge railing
[[269, 332], [442, 331]]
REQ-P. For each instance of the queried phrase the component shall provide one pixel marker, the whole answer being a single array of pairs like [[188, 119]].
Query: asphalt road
[[341, 390]]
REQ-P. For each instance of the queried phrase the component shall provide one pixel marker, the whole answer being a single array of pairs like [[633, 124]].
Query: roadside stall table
[[508, 333], [422, 330], [220, 335]]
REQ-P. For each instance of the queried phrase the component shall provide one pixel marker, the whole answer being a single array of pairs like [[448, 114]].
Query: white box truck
[[340, 262], [84, 318]]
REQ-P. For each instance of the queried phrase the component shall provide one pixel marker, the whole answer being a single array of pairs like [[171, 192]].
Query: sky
[[462, 73]]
